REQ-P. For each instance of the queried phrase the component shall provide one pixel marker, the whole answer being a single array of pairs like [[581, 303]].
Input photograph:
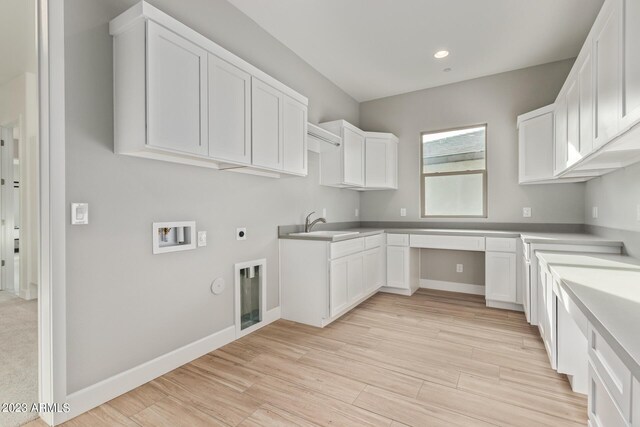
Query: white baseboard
[[95, 395], [397, 291], [442, 285], [505, 305]]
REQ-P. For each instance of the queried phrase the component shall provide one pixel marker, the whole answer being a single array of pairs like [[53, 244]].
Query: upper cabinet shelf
[[594, 124], [363, 160], [182, 98]]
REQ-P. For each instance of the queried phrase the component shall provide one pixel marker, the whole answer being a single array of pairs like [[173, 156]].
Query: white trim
[[52, 374], [505, 305], [99, 393], [442, 285], [397, 291]]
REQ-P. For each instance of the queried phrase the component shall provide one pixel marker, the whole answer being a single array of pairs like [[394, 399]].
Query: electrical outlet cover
[[241, 233], [526, 212], [403, 211]]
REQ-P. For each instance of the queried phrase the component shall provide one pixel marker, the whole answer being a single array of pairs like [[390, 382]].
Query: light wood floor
[[434, 359]]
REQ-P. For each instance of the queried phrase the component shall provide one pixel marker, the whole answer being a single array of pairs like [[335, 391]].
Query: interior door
[[266, 116], [176, 92], [229, 112], [353, 146], [294, 136]]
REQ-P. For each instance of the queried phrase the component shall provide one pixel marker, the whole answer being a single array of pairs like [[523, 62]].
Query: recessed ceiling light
[[441, 54]]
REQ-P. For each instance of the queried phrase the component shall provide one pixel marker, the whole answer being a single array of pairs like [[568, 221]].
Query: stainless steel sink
[[325, 233]]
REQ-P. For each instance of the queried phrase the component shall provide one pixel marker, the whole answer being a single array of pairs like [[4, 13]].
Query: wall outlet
[[526, 212], [357, 212], [594, 212], [241, 233], [459, 268], [324, 213], [403, 211], [202, 238]]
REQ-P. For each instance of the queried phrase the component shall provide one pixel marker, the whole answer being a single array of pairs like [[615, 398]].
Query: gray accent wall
[[617, 196], [496, 100], [126, 306]]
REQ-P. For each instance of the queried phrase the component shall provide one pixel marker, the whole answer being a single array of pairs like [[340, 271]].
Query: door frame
[[52, 377]]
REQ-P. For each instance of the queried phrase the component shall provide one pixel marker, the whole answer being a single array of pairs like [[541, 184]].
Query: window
[[453, 176]]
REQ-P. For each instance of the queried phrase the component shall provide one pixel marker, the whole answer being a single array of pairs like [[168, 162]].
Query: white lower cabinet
[[373, 266], [603, 411], [338, 286], [398, 267], [500, 276]]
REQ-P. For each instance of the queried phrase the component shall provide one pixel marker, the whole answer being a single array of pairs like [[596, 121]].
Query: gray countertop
[[606, 288], [527, 237]]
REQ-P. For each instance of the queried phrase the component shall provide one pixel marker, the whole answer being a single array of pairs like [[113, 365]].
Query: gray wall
[[126, 306], [496, 100], [617, 196], [441, 265]]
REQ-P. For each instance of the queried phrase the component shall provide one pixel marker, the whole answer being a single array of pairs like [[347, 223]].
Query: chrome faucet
[[309, 225]]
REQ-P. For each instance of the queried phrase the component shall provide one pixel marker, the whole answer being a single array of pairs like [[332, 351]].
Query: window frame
[[484, 172]]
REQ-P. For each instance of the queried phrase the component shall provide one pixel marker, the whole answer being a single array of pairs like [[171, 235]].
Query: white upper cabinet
[[363, 161], [606, 57], [266, 115], [630, 111], [573, 122], [179, 97], [560, 126], [294, 129], [177, 92], [535, 144], [585, 81], [229, 112], [381, 161], [353, 163]]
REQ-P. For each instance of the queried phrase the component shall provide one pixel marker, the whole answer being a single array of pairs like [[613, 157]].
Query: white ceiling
[[378, 48], [17, 38]]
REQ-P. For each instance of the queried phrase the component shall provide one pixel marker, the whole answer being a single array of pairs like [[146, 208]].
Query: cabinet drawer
[[374, 241], [500, 244], [398, 239], [612, 372], [346, 247], [603, 412], [462, 243]]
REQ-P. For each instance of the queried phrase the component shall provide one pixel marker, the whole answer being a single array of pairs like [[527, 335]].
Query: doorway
[[18, 210]]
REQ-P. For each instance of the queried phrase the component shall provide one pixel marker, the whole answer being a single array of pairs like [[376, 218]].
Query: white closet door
[[229, 112], [177, 92]]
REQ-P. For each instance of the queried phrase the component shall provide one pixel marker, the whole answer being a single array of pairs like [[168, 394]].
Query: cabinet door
[[355, 273], [229, 112], [294, 136], [560, 141], [573, 123], [392, 165], [585, 78], [338, 281], [353, 162], [606, 47], [376, 163], [603, 411], [535, 138], [398, 267], [500, 280], [372, 271], [266, 118], [630, 63], [176, 92]]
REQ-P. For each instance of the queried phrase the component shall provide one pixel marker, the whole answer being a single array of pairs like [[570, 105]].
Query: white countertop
[[567, 238], [607, 290]]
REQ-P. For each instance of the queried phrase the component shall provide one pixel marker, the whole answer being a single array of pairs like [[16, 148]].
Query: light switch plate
[[79, 213], [202, 238], [526, 212], [403, 211], [594, 212]]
